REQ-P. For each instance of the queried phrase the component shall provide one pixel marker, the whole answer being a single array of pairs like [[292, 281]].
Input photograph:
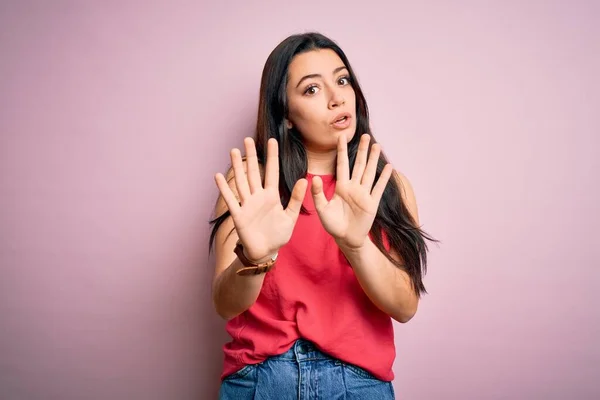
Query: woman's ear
[[288, 124]]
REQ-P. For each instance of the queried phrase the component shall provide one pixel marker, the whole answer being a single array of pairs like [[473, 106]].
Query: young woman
[[316, 237]]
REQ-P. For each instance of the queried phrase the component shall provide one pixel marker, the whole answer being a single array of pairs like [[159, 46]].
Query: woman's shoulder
[[407, 193]]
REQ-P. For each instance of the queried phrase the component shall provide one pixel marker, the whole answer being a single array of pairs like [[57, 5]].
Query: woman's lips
[[342, 122]]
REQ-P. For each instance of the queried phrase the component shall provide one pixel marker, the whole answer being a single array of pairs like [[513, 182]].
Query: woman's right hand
[[261, 222]]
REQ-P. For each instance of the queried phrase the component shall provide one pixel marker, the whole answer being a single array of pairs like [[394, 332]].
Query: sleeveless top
[[312, 293]]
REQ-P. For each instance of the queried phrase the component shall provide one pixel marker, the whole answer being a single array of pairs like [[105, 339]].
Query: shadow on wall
[[212, 337]]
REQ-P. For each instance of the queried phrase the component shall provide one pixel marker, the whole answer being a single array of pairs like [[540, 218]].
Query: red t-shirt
[[312, 293]]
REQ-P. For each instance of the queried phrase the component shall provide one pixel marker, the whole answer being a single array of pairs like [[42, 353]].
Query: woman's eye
[[344, 80], [311, 90]]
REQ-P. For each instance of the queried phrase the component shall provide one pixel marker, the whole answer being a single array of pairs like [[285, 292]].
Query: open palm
[[350, 213], [260, 220]]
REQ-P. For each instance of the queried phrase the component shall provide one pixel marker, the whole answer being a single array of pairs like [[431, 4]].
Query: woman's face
[[321, 100]]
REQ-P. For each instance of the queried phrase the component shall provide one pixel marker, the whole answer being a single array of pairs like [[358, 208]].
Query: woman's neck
[[321, 163]]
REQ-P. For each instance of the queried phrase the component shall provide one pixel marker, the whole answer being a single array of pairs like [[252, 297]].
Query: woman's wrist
[[260, 260]]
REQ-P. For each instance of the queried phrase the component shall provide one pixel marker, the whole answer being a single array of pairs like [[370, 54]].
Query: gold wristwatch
[[250, 267]]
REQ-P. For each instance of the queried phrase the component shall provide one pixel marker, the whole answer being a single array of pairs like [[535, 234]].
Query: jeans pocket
[[360, 372], [242, 372]]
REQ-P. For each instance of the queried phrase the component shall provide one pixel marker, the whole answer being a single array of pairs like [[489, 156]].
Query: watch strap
[[251, 267]]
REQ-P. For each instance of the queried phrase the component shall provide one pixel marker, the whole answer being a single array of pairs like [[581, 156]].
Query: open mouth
[[341, 121]]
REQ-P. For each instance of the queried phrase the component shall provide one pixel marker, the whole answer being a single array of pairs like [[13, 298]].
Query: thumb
[[295, 204], [318, 194]]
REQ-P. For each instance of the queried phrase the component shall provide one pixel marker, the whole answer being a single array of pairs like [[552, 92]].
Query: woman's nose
[[336, 100]]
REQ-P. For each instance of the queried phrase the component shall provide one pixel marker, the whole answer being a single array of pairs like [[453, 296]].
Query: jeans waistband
[[303, 350]]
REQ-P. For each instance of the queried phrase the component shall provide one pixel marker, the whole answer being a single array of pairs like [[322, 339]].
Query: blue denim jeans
[[304, 373]]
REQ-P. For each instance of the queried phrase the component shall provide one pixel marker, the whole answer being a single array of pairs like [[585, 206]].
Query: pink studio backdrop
[[114, 116]]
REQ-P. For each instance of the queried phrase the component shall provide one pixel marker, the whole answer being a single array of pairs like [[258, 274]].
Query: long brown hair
[[393, 217]]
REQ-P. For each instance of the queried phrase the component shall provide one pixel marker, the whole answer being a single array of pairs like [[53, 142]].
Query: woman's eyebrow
[[335, 71]]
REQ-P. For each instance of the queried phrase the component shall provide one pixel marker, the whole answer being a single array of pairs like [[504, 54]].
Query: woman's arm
[[260, 221], [232, 294], [388, 287]]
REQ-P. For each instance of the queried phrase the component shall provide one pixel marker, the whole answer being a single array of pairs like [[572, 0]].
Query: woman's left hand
[[350, 213]]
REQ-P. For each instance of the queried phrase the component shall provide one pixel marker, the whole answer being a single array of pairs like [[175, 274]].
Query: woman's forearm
[[233, 294], [386, 285]]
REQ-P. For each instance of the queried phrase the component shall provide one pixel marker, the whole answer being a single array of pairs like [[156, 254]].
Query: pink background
[[114, 116]]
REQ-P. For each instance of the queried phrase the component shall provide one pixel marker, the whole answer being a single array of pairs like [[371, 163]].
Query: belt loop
[[297, 349]]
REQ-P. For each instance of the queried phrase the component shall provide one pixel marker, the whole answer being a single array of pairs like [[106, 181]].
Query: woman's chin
[[348, 133]]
